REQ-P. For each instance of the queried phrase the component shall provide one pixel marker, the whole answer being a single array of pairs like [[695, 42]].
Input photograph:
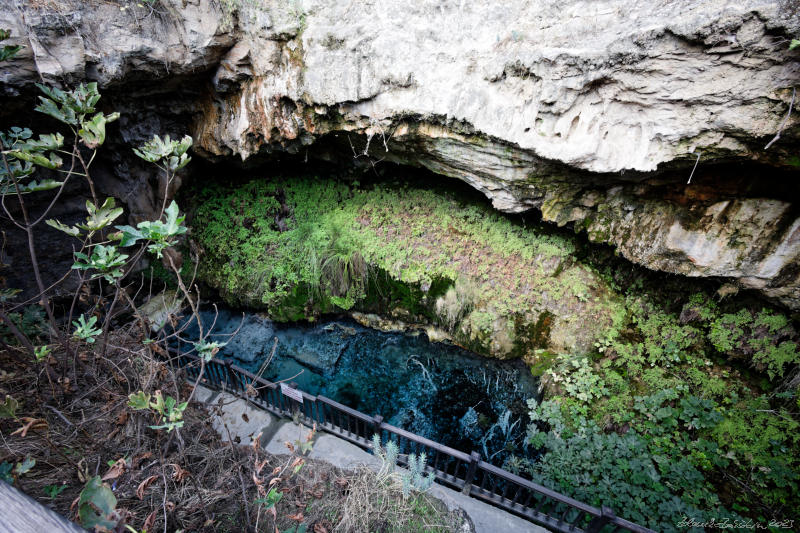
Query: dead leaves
[[180, 474], [150, 521], [122, 418], [250, 391], [256, 444], [137, 459], [142, 486], [30, 424], [259, 466], [116, 470], [83, 470]]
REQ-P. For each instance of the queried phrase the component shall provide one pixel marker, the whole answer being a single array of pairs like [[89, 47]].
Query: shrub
[[631, 473]]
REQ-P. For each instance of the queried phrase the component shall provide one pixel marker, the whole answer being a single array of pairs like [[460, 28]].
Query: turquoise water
[[436, 390]]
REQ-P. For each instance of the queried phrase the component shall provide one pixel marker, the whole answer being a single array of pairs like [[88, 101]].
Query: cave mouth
[[436, 390]]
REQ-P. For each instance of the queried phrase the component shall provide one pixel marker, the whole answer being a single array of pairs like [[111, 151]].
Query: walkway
[[245, 421]]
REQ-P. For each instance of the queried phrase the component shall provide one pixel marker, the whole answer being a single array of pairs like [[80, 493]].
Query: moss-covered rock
[[302, 247]]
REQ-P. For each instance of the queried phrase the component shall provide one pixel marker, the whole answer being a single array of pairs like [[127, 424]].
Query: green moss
[[532, 337], [541, 362], [385, 248]]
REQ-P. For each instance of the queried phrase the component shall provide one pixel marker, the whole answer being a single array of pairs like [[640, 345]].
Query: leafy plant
[[97, 506], [271, 500], [5, 472], [161, 234], [85, 330], [93, 131], [388, 455], [577, 377], [170, 153], [106, 260], [647, 479], [139, 400], [8, 409], [42, 352], [168, 409], [52, 491], [415, 479], [70, 107], [99, 218], [207, 350], [10, 472], [8, 51], [22, 155]]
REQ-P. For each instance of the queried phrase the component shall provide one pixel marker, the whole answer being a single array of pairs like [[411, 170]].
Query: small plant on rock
[[414, 479]]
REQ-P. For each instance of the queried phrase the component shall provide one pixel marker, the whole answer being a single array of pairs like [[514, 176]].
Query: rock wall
[[593, 112]]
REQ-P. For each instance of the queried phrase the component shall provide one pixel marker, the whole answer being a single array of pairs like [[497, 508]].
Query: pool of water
[[436, 390]]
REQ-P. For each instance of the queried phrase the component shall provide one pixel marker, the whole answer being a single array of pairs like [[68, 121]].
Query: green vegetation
[[654, 473], [678, 404], [7, 51], [310, 246], [688, 407], [660, 401]]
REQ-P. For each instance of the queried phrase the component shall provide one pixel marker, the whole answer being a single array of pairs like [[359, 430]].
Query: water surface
[[436, 390]]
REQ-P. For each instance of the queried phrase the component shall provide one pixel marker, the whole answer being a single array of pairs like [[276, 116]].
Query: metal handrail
[[470, 474]]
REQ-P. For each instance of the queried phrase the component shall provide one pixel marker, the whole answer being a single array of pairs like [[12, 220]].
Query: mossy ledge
[[301, 247]]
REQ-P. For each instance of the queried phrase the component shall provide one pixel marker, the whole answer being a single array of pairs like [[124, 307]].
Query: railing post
[[230, 377], [597, 523], [474, 459], [295, 405], [377, 422]]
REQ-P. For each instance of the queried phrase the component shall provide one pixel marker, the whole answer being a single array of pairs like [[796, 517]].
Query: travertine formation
[[594, 112]]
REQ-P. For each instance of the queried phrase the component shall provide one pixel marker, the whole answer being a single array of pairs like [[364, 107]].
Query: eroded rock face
[[753, 240], [109, 42], [545, 105], [589, 111]]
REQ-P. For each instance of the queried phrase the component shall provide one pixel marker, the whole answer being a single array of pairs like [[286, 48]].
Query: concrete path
[[245, 421]]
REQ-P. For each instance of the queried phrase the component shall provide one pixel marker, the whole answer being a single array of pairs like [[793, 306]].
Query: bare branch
[[783, 124]]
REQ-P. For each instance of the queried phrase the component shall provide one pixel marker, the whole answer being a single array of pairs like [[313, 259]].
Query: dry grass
[[190, 479], [85, 424], [376, 503]]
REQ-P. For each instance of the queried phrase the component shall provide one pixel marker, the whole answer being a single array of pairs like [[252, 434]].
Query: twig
[[783, 124], [269, 359], [694, 168], [60, 415], [164, 501], [291, 378]]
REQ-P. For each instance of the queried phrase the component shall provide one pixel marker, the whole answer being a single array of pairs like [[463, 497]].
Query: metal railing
[[453, 468]]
